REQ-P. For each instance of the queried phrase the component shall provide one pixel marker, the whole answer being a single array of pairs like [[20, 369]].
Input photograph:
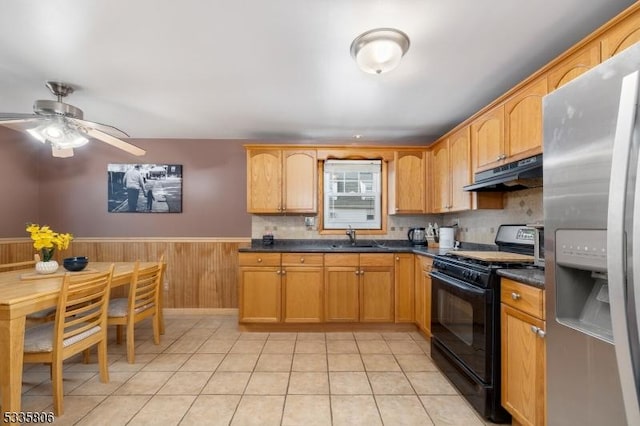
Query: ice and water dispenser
[[582, 290]]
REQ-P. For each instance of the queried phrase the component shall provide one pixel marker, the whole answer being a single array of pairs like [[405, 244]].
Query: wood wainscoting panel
[[201, 272]]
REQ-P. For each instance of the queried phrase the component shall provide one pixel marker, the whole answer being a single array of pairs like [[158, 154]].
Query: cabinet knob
[[302, 260], [515, 296], [357, 272], [278, 272], [283, 272], [541, 333], [259, 260], [397, 258], [534, 329], [361, 272], [499, 157]]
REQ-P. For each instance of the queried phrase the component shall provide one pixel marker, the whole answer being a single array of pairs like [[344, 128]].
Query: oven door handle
[[460, 285]]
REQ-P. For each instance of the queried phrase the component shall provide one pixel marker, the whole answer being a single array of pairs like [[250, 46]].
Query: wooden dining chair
[[142, 303], [80, 323], [20, 265]]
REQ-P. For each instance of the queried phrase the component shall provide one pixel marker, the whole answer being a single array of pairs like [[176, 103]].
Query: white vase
[[46, 267]]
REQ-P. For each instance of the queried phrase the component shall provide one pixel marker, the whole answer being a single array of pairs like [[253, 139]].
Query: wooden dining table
[[21, 294]]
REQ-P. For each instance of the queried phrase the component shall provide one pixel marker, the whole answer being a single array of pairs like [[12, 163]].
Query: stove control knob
[[466, 274], [475, 276]]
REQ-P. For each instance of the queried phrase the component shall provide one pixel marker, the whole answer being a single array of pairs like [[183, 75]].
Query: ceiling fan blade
[[104, 128], [113, 141], [21, 123], [5, 116], [61, 152]]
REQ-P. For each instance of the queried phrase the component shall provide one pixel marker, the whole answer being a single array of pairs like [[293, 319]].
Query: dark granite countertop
[[531, 276], [341, 246]]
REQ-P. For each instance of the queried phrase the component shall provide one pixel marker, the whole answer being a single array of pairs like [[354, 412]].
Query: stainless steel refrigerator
[[592, 245]]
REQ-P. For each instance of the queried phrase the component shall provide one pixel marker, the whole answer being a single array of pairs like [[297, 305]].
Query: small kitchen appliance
[[447, 237], [417, 236]]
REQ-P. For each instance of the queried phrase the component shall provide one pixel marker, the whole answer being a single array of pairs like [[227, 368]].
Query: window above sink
[[352, 194]]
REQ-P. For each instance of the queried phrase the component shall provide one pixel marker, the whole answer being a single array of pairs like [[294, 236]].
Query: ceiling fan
[[62, 125]]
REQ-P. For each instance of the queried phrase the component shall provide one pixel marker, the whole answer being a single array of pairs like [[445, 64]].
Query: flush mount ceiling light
[[379, 50]]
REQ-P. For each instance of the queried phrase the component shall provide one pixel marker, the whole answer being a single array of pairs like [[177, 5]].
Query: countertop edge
[[532, 277]]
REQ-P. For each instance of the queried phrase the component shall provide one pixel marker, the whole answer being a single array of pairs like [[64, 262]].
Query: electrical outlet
[[455, 222], [310, 221]]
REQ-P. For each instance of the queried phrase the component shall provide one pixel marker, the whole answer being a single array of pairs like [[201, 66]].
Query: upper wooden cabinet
[[523, 121], [407, 182], [281, 180], [487, 139], [510, 131], [573, 66], [451, 165], [621, 35]]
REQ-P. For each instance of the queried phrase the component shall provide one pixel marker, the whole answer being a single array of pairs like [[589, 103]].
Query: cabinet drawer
[[342, 259], [375, 259], [302, 259], [259, 259], [523, 297]]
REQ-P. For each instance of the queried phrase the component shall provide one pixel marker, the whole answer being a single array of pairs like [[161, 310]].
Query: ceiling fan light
[[380, 50], [54, 131], [36, 132]]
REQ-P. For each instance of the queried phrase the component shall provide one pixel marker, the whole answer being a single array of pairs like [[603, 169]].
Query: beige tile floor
[[206, 372]]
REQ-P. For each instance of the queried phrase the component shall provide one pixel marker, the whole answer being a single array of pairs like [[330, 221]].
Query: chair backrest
[[82, 307], [143, 291], [20, 265]]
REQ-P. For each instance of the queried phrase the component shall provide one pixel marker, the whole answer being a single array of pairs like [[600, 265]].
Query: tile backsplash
[[293, 227], [477, 226], [480, 226]]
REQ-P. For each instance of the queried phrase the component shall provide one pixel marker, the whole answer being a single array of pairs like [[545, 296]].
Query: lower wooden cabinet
[[523, 352], [422, 300], [404, 287], [302, 287], [359, 287], [260, 288], [315, 288]]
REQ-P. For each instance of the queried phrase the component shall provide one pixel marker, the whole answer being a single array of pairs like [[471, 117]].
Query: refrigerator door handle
[[616, 253]]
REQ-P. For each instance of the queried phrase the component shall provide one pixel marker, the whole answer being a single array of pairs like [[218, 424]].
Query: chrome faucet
[[351, 233]]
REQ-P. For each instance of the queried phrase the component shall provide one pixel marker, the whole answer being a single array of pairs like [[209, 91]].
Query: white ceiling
[[280, 69]]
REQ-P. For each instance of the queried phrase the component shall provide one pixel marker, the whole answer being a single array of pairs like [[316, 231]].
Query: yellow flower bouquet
[[46, 241]]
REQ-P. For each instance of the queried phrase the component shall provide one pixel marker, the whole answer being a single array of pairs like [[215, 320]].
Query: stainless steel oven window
[[456, 315]]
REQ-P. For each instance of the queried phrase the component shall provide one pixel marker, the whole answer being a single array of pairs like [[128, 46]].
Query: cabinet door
[[426, 294], [523, 367], [264, 181], [376, 294], [341, 286], [440, 177], [418, 293], [523, 121], [573, 66], [620, 36], [407, 174], [302, 288], [260, 294], [300, 181], [460, 169], [487, 139], [404, 291]]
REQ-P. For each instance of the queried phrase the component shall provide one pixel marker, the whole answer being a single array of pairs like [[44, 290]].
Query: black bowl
[[75, 264]]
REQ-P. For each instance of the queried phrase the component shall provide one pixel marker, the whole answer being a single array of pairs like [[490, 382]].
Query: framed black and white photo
[[144, 188]]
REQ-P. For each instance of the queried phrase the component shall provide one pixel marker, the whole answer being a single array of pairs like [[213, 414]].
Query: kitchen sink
[[357, 246]]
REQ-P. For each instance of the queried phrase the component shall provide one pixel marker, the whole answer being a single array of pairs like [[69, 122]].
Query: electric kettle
[[417, 236]]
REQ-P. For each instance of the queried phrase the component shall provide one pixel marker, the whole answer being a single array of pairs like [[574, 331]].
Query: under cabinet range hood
[[522, 174]]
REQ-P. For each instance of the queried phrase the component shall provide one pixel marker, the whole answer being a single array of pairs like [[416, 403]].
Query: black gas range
[[465, 319]]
